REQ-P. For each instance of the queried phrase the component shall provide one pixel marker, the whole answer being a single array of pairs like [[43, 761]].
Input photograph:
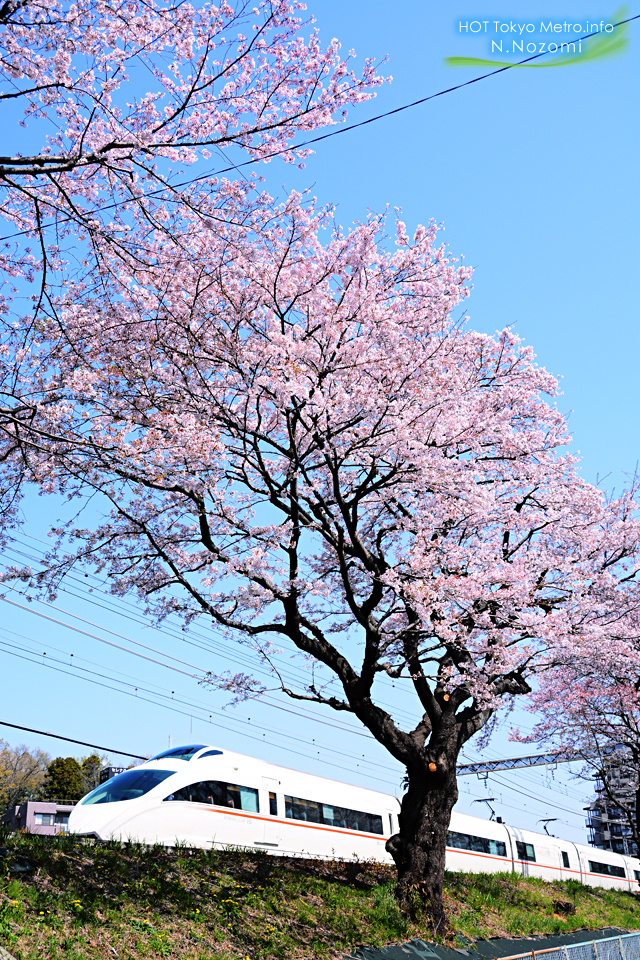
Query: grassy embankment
[[63, 899]]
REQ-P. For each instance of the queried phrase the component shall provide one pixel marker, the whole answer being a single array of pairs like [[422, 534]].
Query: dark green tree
[[64, 780]]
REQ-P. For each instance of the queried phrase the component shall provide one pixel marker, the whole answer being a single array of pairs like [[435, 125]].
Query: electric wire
[[200, 705], [137, 696], [112, 608], [87, 596], [138, 684], [312, 140], [83, 743], [181, 635], [321, 746], [520, 809], [550, 803], [506, 785], [94, 636], [263, 697], [287, 735]]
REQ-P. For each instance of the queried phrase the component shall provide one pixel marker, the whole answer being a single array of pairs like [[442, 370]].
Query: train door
[[633, 874], [570, 864], [510, 848], [270, 833], [579, 862], [564, 860], [525, 853], [390, 823]]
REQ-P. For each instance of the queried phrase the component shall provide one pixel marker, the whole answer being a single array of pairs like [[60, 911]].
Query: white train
[[205, 797]]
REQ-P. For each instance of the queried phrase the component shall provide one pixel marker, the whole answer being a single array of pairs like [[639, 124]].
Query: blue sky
[[534, 175]]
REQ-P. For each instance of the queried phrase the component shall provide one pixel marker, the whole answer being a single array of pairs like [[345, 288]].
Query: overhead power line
[[185, 638], [136, 756], [383, 116], [265, 697], [218, 724], [547, 803], [168, 698], [102, 639], [319, 138], [469, 768], [198, 707], [82, 743]]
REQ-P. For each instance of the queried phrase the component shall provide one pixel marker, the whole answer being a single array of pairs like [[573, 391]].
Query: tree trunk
[[419, 848]]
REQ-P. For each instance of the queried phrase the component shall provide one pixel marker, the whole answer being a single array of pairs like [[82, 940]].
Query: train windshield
[[127, 786], [181, 753]]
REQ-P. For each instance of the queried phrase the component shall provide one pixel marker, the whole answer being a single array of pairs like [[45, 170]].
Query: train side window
[[298, 809], [313, 812], [219, 795], [565, 859], [465, 841], [637, 875], [525, 851], [273, 805], [607, 869], [242, 798], [390, 824], [351, 819]]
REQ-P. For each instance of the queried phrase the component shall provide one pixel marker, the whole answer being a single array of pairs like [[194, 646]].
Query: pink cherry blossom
[[117, 98]]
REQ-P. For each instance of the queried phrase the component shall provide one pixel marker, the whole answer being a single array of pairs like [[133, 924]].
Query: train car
[[202, 796], [205, 797]]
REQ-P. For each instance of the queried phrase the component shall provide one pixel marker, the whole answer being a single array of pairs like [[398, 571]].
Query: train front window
[[218, 794], [127, 786], [181, 753]]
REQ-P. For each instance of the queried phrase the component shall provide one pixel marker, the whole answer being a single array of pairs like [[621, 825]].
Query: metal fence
[[625, 947]]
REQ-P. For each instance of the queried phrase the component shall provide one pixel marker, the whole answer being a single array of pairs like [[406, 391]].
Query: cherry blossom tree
[[294, 433], [117, 99], [590, 707]]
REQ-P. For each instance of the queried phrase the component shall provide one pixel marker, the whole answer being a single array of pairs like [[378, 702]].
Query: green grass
[[83, 902], [510, 905]]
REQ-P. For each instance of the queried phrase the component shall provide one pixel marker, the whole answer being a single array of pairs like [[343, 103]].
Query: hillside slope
[[63, 898]]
